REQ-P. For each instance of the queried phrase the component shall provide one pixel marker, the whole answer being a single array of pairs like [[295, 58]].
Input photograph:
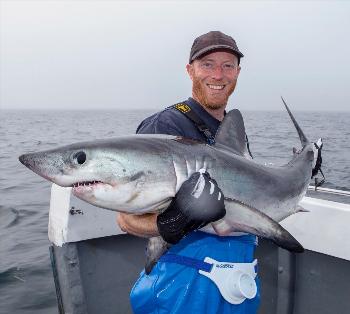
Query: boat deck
[[95, 275]]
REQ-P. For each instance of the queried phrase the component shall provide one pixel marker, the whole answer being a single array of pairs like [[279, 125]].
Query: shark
[[140, 174]]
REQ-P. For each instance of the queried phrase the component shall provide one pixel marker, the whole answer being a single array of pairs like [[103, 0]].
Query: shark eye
[[79, 157]]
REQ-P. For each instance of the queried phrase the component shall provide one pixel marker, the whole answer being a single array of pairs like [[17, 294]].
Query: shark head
[[104, 174]]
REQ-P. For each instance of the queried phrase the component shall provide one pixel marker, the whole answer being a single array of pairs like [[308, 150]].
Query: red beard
[[210, 101]]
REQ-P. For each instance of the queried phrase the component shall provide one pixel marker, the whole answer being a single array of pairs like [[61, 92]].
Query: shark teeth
[[85, 183], [217, 87]]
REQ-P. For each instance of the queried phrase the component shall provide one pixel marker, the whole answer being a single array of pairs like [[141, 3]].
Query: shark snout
[[26, 160], [51, 166], [37, 163]]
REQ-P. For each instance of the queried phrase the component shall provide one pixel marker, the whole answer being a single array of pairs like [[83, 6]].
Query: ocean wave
[[9, 275], [9, 217]]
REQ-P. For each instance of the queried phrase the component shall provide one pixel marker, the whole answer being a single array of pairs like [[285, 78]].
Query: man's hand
[[198, 202]]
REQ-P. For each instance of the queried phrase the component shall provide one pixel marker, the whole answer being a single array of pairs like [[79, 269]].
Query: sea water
[[26, 282]]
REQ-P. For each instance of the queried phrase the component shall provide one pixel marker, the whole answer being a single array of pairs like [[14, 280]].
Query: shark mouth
[[85, 183]]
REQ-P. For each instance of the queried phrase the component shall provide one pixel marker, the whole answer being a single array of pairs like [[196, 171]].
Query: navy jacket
[[173, 122]]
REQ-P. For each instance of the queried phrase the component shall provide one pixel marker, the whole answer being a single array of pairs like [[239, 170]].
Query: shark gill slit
[[176, 170], [196, 166], [192, 166], [187, 168]]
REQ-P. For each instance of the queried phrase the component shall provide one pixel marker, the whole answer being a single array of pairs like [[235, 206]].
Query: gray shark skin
[[139, 174]]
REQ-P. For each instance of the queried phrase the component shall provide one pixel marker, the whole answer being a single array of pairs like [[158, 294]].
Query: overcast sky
[[132, 55]]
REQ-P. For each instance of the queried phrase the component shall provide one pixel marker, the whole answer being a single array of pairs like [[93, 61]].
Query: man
[[175, 285]]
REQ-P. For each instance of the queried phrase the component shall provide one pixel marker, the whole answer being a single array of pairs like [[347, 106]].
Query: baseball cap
[[213, 40]]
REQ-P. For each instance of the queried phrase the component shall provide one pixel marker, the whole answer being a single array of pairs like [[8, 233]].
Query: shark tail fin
[[304, 141]]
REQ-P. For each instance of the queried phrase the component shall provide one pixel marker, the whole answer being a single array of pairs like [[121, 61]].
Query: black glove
[[198, 202]]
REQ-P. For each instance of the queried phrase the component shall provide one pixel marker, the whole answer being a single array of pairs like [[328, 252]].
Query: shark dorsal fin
[[231, 133]]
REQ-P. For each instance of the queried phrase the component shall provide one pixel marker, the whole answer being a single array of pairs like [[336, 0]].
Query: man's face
[[214, 78]]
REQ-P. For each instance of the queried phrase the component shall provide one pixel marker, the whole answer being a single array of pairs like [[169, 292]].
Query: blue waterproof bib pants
[[174, 288]]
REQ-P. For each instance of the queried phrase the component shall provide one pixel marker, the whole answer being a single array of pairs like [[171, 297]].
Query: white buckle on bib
[[236, 281]]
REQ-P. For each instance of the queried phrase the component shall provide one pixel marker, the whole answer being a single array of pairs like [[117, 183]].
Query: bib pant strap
[[198, 122], [186, 261]]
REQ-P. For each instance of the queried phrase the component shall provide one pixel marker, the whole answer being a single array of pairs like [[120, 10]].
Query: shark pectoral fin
[[245, 218], [156, 247]]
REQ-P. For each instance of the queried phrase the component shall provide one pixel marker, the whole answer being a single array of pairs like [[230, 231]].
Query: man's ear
[[238, 71], [190, 70]]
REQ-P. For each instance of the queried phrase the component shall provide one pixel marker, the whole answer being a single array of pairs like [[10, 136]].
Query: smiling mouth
[[216, 87]]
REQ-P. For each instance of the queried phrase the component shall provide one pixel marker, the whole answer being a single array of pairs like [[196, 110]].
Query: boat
[[95, 264]]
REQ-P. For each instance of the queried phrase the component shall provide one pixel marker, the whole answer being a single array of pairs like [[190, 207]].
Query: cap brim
[[216, 47]]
